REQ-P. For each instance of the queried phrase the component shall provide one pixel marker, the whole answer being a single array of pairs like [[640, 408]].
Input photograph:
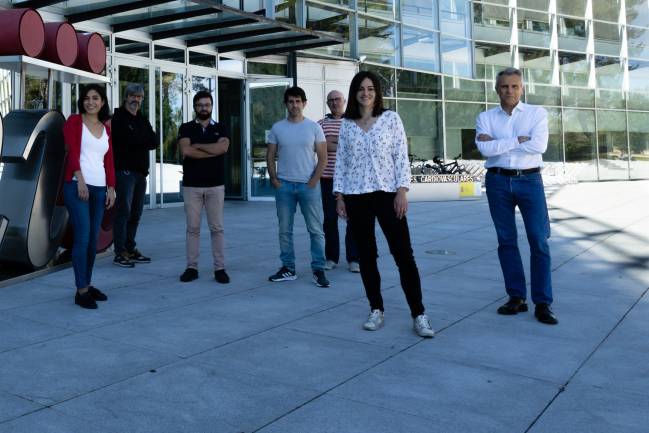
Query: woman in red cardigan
[[89, 185]]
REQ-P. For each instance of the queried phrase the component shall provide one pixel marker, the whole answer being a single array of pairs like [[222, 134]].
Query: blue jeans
[[526, 191], [86, 217], [287, 196], [130, 190]]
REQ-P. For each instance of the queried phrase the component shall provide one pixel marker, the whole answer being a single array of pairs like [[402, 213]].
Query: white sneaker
[[354, 267], [422, 326], [374, 321], [329, 265]]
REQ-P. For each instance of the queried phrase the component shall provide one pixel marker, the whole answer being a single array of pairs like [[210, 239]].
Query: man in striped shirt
[[331, 126]]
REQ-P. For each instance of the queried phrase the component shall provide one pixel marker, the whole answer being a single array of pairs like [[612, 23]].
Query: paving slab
[[50, 421], [12, 407], [17, 332]]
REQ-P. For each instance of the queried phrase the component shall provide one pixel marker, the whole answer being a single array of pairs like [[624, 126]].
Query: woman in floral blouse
[[371, 180]]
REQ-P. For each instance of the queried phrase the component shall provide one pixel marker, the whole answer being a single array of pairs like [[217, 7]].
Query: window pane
[[609, 72], [572, 7], [419, 85], [333, 2], [386, 76], [607, 38], [491, 59], [611, 135], [573, 68], [36, 93], [578, 97], [169, 54], [579, 136], [420, 49], [421, 13], [333, 22], [453, 17], [424, 132], [542, 95], [384, 8], [133, 48], [638, 85], [200, 59], [610, 98], [638, 41], [378, 40], [572, 34], [538, 5], [536, 65], [533, 28], [491, 23], [455, 56], [606, 10], [639, 144], [554, 152], [460, 129], [464, 90], [636, 12], [259, 68]]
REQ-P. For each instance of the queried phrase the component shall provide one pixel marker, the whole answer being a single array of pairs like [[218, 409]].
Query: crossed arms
[[535, 143], [200, 151]]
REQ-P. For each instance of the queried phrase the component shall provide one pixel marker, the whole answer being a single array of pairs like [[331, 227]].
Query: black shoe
[[97, 294], [513, 306], [543, 314], [84, 300], [221, 277], [320, 279], [123, 261], [137, 257], [190, 274], [284, 274]]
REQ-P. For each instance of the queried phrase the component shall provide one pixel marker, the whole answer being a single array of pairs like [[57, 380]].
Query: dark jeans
[[330, 226], [363, 210], [86, 217], [504, 194], [130, 190]]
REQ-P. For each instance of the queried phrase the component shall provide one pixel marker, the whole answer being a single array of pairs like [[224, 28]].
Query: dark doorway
[[230, 108]]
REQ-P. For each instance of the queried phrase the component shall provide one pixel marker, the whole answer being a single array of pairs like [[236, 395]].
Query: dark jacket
[[133, 138]]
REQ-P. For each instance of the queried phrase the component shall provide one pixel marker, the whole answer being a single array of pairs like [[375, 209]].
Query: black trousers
[[330, 226], [363, 210]]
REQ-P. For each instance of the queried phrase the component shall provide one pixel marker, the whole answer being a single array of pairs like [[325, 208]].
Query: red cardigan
[[72, 136]]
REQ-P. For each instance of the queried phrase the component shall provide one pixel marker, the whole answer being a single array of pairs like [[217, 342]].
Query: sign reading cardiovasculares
[[441, 187]]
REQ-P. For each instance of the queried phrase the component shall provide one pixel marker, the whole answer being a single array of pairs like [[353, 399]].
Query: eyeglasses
[[334, 100], [203, 105]]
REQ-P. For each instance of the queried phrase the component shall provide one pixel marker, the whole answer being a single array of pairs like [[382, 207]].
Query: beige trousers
[[212, 199]]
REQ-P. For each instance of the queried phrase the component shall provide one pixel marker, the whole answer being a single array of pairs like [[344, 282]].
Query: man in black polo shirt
[[203, 144]]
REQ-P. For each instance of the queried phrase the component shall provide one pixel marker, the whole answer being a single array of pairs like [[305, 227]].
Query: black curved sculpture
[[33, 156], [4, 222]]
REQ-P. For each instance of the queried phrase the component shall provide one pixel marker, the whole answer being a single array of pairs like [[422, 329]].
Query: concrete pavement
[[253, 356]]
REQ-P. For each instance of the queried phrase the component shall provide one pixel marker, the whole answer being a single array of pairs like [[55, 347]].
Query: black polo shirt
[[205, 172]]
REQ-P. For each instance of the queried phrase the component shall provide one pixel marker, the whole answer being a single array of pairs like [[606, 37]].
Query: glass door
[[266, 106]]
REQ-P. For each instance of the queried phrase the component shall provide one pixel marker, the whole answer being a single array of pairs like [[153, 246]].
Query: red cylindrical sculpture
[[21, 32], [92, 53], [61, 44]]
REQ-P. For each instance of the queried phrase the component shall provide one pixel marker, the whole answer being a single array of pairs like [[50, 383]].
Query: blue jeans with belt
[[287, 197], [526, 191], [86, 217]]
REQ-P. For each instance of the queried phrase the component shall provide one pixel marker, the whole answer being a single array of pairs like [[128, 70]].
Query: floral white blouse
[[376, 160]]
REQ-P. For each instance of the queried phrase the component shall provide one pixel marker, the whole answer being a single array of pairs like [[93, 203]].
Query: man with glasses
[[203, 144], [133, 138], [331, 127]]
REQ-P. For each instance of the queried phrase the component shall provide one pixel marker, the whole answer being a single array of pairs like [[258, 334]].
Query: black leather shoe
[[513, 306], [221, 277], [190, 274], [545, 315], [84, 300], [97, 294]]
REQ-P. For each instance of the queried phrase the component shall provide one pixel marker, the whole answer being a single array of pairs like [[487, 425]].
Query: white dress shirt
[[504, 150], [376, 160]]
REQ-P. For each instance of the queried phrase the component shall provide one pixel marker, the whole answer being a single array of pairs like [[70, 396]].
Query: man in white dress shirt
[[513, 138]]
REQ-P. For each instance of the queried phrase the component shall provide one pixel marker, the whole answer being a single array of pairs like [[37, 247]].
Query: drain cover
[[441, 252]]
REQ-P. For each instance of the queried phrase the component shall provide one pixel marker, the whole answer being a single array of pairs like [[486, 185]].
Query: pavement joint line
[[580, 366], [387, 358]]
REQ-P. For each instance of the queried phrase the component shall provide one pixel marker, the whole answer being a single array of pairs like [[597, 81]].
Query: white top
[[93, 150], [376, 160], [504, 150]]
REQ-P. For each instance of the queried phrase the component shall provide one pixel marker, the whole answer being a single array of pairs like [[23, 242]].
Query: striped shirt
[[331, 127]]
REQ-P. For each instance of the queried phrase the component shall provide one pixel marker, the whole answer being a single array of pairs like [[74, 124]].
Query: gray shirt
[[296, 151]]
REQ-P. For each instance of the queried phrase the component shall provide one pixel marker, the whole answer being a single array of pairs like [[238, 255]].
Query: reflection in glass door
[[170, 115], [266, 105]]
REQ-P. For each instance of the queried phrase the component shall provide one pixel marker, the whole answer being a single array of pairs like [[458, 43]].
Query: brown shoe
[[513, 306]]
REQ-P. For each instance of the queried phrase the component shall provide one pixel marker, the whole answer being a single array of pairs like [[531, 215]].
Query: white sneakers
[[374, 321], [329, 265], [421, 325], [354, 267]]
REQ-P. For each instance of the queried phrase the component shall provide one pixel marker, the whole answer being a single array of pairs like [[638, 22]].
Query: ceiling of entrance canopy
[[199, 22]]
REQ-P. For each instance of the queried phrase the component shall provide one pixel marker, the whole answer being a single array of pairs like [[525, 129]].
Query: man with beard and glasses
[[133, 139], [203, 144]]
